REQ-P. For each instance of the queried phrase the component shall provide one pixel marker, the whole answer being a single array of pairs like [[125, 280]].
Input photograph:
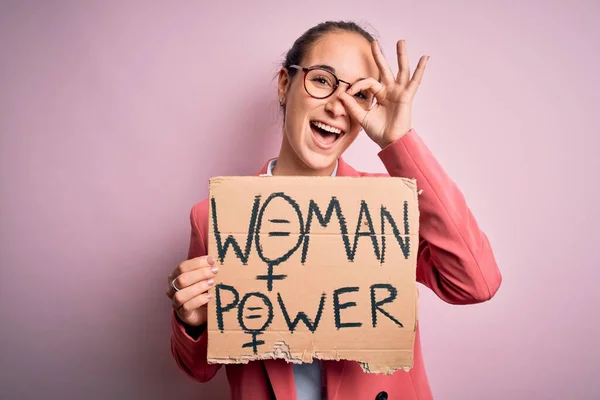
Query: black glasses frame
[[306, 70]]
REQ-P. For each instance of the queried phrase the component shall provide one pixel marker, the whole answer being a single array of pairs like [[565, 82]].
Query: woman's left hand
[[390, 118]]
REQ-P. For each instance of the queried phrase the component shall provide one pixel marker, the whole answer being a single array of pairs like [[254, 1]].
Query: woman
[[335, 81]]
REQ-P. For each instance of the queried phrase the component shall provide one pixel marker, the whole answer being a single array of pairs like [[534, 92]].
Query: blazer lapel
[[345, 169], [281, 376], [264, 168], [333, 373]]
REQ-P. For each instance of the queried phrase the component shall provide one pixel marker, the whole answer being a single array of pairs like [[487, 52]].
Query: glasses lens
[[320, 83]]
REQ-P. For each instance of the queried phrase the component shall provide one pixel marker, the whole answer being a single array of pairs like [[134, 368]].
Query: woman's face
[[305, 143]]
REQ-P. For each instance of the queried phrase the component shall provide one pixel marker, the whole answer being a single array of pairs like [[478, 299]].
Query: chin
[[319, 162], [325, 144]]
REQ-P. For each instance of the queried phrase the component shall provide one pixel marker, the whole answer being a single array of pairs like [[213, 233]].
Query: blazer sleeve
[[190, 352], [455, 258]]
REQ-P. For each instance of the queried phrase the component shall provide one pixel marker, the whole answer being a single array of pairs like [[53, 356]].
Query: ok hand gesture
[[390, 118]]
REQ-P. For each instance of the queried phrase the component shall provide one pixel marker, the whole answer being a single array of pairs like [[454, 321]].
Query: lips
[[325, 135]]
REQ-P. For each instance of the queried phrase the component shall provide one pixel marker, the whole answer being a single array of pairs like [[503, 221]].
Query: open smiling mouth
[[325, 134]]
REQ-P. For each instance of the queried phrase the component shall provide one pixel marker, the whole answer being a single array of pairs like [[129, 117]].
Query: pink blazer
[[455, 260]]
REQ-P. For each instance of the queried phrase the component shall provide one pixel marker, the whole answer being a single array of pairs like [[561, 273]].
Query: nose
[[334, 105]]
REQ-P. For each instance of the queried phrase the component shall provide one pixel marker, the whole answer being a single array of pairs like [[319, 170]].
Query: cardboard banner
[[314, 267]]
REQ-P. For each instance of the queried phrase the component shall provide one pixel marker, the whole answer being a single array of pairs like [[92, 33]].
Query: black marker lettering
[[364, 210], [219, 307], [403, 242], [230, 240], [242, 308], [255, 332], [313, 209], [279, 234], [269, 277], [254, 343], [337, 306], [301, 316], [376, 305]]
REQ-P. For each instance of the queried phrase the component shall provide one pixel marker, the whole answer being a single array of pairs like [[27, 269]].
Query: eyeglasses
[[321, 83]]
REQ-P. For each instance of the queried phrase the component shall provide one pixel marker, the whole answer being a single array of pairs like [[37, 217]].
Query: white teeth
[[326, 127]]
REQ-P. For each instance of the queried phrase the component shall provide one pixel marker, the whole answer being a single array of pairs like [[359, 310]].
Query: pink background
[[113, 115]]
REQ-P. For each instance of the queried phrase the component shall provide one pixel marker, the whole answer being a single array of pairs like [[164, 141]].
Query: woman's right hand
[[193, 278]]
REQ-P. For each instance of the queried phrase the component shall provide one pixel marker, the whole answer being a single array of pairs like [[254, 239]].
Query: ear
[[283, 81]]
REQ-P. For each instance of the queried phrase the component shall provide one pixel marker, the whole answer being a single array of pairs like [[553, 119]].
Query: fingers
[[403, 66], [418, 76], [387, 76], [190, 278], [370, 84], [188, 307], [191, 293], [355, 110], [194, 263], [190, 272]]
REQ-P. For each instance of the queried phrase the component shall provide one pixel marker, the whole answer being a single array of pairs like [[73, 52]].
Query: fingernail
[[210, 282], [215, 269], [208, 295], [211, 260]]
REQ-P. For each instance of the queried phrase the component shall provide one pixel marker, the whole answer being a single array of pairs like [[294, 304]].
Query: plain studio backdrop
[[113, 115]]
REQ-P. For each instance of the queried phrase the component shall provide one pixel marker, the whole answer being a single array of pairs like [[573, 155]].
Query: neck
[[289, 164]]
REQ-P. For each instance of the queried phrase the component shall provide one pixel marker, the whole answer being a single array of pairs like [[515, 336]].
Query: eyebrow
[[332, 70]]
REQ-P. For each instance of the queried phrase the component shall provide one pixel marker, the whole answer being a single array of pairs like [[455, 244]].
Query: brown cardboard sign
[[314, 267]]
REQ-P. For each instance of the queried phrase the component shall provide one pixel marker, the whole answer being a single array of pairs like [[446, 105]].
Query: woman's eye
[[322, 81], [361, 95]]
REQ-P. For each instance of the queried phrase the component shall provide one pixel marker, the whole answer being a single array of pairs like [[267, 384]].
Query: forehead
[[348, 53]]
